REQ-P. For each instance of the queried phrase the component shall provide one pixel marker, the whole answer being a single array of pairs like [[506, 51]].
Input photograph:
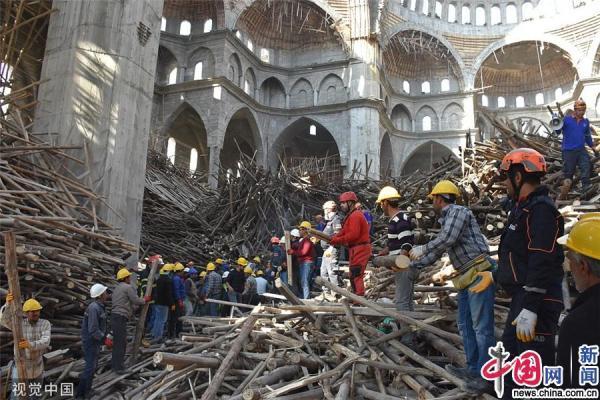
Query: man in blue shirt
[[576, 132]]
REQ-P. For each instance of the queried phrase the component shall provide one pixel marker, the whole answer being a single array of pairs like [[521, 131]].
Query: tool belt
[[468, 272]]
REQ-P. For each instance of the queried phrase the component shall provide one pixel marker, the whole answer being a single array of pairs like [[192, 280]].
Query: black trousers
[[119, 328]]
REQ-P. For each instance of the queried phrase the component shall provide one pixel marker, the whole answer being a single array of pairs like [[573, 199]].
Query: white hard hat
[[328, 205], [186, 269], [96, 290], [225, 274], [295, 232], [282, 240]]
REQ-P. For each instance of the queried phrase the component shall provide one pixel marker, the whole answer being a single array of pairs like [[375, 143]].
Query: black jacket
[[163, 293], [581, 326], [529, 257]]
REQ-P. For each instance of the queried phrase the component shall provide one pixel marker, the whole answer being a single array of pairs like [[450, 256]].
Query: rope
[[537, 51]]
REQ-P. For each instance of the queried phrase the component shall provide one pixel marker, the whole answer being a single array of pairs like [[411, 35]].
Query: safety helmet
[[211, 266], [305, 225], [387, 193], [259, 272], [203, 274], [580, 105], [178, 267], [282, 240], [584, 238], [31, 305], [219, 261], [348, 196], [123, 273], [444, 187], [295, 232], [167, 268], [186, 269], [256, 259], [274, 240], [589, 215], [531, 160], [96, 290], [248, 270], [242, 261], [329, 205]]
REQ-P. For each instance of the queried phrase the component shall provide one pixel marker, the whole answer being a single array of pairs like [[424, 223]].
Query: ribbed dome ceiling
[[193, 10]]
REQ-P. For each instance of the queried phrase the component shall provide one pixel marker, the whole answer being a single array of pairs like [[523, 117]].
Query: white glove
[[416, 252], [525, 322]]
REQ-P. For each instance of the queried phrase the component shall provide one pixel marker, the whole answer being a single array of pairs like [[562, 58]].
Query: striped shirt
[[213, 285], [38, 336], [400, 235], [460, 237]]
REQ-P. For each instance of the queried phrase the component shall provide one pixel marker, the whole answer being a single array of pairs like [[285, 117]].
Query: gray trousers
[[405, 285], [329, 265]]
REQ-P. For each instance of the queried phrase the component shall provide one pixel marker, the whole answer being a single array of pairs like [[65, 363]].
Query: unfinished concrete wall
[[100, 65]]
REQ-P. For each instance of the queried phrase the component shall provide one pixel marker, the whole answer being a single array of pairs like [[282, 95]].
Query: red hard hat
[[274, 240], [348, 196]]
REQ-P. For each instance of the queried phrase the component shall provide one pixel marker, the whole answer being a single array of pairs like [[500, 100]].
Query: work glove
[[147, 299], [416, 252], [24, 344], [108, 342], [525, 323], [483, 281]]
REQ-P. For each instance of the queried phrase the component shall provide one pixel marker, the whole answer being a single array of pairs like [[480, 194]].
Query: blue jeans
[[161, 314], [476, 325], [574, 158], [91, 351], [233, 297], [213, 309], [283, 276], [305, 272]]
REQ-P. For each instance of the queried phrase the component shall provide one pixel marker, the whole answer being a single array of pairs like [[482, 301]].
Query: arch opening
[[272, 93], [401, 118], [426, 158], [165, 64], [386, 158], [242, 138]]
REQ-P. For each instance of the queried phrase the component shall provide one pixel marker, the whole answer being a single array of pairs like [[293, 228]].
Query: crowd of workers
[[529, 267]]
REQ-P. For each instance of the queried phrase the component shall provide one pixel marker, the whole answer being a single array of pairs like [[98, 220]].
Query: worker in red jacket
[[354, 235]]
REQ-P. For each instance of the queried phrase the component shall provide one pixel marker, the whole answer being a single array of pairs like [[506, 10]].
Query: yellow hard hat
[[256, 259], [242, 261], [203, 274], [219, 261], [31, 305], [210, 267], [444, 187], [305, 224], [168, 267], [584, 238], [123, 273], [589, 215], [259, 272], [248, 270], [178, 267], [387, 193]]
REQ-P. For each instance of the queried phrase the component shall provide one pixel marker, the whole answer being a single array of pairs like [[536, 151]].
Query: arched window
[[445, 85], [250, 45], [406, 86], [264, 55], [208, 25], [527, 11], [520, 101], [511, 14], [425, 87], [238, 35], [501, 102], [426, 123], [484, 100], [163, 24], [413, 5], [198, 71], [465, 15], [312, 131], [495, 16], [172, 77], [451, 13], [480, 16], [193, 160], [558, 93], [425, 7], [438, 9], [539, 99], [171, 147], [185, 28]]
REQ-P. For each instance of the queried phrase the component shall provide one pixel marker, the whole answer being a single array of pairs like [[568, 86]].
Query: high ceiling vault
[[193, 10]]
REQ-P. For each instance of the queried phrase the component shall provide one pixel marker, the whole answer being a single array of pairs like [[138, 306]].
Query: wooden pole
[[16, 316], [139, 331], [288, 245]]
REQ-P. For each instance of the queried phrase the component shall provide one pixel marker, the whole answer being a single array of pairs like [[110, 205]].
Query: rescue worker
[[175, 325], [530, 261], [354, 235], [249, 295], [236, 281], [581, 327], [333, 224], [94, 331], [576, 131], [400, 240], [191, 292], [124, 298], [305, 254], [33, 345], [277, 253], [468, 250], [269, 275], [163, 301], [282, 269], [214, 289], [255, 265], [261, 283]]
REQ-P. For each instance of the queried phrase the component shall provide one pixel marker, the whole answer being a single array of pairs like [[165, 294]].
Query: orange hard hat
[[531, 160]]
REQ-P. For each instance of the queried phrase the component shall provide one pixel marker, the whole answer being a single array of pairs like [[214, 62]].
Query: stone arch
[[332, 90], [165, 62], [301, 94], [386, 157], [401, 118], [452, 117], [204, 55], [591, 68], [242, 136], [425, 157], [250, 82], [272, 93], [295, 144], [234, 69], [423, 112]]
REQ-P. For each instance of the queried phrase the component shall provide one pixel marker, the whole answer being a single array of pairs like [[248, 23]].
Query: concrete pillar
[[100, 62], [364, 140], [213, 165], [315, 97], [287, 100], [181, 73]]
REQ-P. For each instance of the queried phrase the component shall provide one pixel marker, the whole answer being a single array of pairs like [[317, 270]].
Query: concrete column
[[213, 165], [100, 71], [364, 140], [287, 100], [181, 73], [315, 97]]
